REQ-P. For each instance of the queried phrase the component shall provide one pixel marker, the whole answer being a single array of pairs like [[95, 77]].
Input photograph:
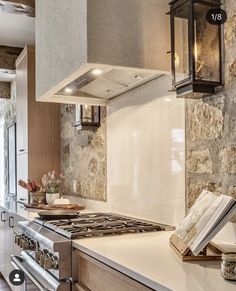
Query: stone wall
[[8, 113], [211, 129], [5, 90], [83, 157], [83, 153]]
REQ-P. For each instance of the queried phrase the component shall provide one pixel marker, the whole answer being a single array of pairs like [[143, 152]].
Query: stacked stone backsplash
[[8, 113], [83, 157], [211, 129]]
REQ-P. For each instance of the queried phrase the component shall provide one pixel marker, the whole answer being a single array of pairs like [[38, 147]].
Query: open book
[[205, 219]]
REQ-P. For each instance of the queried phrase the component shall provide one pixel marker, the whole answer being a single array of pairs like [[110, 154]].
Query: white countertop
[[146, 258], [149, 259], [19, 209]]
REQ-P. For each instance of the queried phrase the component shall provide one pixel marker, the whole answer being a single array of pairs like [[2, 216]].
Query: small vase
[[37, 198], [51, 197]]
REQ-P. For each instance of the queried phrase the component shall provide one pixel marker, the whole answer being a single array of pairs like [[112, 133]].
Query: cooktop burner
[[100, 224]]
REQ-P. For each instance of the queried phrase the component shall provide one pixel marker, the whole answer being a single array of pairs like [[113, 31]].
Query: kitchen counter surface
[[149, 259], [19, 209], [146, 258]]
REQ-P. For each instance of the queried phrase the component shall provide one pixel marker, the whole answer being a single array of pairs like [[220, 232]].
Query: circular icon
[[17, 277], [216, 16]]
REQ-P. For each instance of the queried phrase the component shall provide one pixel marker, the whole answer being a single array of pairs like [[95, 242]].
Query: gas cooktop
[[100, 224]]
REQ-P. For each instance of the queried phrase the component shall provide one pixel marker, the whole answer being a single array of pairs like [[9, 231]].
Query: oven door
[[36, 278]]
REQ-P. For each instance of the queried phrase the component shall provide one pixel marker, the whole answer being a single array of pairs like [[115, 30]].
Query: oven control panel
[[43, 257]]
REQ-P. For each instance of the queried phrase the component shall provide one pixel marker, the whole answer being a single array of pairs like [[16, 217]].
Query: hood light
[[68, 90], [97, 72]]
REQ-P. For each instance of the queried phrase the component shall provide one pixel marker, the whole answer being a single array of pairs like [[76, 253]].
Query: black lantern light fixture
[[87, 117], [196, 49]]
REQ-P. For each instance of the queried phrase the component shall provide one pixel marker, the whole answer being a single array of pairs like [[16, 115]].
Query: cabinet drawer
[[96, 276]]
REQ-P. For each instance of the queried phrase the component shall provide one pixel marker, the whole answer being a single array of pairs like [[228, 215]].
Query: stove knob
[[36, 245], [38, 255], [43, 257], [26, 244], [32, 245], [17, 239], [48, 262], [55, 262], [22, 241]]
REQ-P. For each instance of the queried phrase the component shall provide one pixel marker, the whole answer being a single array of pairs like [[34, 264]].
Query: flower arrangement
[[37, 195], [31, 186], [52, 183], [48, 192]]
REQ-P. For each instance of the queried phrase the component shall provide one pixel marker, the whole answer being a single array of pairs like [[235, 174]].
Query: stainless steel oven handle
[[17, 265]]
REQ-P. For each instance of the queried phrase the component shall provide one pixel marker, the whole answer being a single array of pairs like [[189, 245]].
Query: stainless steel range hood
[[119, 45]]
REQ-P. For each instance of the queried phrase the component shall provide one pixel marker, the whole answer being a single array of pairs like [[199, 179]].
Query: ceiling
[[16, 30]]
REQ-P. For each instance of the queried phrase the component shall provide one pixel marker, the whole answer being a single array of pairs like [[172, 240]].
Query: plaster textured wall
[[83, 157], [63, 49], [211, 129]]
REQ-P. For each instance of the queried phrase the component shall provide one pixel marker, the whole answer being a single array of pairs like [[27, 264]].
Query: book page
[[197, 217], [208, 213], [208, 234]]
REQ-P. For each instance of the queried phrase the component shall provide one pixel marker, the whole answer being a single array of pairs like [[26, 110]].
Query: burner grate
[[101, 224]]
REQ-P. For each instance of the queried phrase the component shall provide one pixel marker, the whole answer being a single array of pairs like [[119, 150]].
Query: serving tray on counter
[[55, 206]]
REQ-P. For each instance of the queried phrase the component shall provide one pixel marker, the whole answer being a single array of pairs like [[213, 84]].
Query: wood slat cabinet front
[[93, 275], [38, 125]]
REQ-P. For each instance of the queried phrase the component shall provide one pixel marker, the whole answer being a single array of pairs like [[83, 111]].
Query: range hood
[[120, 45]]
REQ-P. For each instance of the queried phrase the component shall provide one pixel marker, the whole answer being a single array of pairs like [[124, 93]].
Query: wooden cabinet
[[38, 126], [8, 229], [8, 245], [22, 105], [3, 218], [93, 275]]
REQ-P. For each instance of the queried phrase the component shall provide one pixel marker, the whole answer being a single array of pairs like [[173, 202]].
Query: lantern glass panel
[[181, 44], [96, 114], [91, 114], [206, 46], [87, 113]]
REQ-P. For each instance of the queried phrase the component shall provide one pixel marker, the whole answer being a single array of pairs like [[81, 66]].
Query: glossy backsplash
[[146, 153]]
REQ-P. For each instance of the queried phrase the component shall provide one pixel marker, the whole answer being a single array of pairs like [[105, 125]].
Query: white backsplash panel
[[146, 153]]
